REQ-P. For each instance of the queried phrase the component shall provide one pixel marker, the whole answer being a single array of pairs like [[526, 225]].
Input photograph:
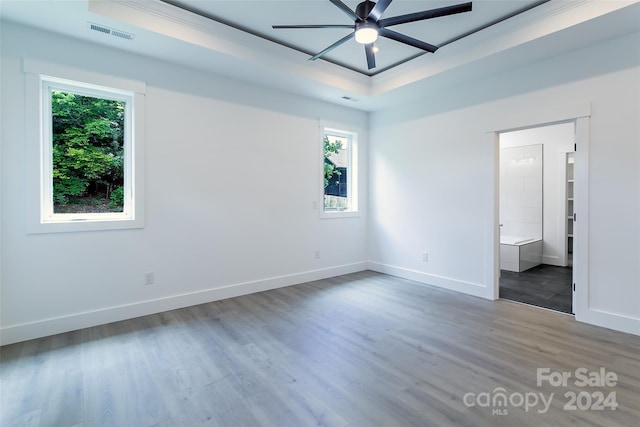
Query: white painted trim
[[548, 116], [552, 260], [561, 221], [27, 331], [470, 288], [617, 322], [543, 20], [583, 310], [492, 234], [35, 66], [527, 119], [581, 226], [173, 22], [38, 76], [353, 174]]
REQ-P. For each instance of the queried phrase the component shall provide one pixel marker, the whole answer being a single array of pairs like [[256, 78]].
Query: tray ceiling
[[235, 39], [257, 18]]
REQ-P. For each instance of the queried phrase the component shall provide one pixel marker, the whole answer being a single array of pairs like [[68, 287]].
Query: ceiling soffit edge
[[170, 21], [536, 23], [332, 81]]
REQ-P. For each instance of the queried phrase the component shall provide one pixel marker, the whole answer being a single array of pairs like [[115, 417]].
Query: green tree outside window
[[88, 153]]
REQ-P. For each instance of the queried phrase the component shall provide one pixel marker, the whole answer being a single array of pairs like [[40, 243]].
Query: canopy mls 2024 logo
[[588, 390]]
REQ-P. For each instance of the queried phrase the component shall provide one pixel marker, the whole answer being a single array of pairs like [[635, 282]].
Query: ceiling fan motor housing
[[368, 25]]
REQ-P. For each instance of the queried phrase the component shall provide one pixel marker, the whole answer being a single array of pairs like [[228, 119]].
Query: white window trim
[[352, 183], [40, 216]]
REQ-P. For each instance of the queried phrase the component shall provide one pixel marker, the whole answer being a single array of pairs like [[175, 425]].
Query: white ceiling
[[258, 17], [171, 33]]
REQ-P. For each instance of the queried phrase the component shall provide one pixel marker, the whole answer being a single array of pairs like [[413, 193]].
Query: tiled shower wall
[[521, 191]]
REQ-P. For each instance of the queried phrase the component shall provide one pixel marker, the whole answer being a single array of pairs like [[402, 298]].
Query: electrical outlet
[[425, 257], [149, 279]]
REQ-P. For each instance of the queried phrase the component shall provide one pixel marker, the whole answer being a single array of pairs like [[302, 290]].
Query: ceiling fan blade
[[333, 46], [379, 9], [371, 56], [426, 14], [343, 7], [279, 27], [385, 32]]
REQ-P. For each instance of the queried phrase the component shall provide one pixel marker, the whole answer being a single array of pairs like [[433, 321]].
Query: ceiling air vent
[[110, 31]]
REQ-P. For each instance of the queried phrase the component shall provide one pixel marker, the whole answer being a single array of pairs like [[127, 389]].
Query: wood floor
[[364, 349]]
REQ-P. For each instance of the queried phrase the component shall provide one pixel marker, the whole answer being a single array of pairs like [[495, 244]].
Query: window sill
[[84, 224], [339, 214]]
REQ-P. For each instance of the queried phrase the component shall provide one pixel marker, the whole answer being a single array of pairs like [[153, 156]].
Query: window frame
[[41, 80], [352, 176]]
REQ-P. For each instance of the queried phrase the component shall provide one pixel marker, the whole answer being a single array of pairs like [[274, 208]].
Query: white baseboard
[[469, 288], [552, 260], [27, 331], [616, 322], [58, 325], [613, 321]]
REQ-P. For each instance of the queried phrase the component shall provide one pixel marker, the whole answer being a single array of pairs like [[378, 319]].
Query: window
[[88, 153], [340, 178], [87, 144]]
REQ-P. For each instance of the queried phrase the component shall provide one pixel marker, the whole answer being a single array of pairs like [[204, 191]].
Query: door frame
[[580, 115]]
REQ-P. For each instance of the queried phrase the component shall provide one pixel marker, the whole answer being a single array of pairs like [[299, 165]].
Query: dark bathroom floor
[[543, 286]]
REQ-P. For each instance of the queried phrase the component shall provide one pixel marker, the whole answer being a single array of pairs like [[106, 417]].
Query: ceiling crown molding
[[259, 54], [520, 39]]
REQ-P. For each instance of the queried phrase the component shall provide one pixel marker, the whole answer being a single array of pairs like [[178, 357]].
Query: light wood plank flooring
[[364, 349]]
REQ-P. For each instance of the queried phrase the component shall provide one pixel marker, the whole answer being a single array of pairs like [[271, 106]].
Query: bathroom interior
[[536, 216]]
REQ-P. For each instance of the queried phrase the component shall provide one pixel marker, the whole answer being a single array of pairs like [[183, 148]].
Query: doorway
[[579, 114], [536, 206]]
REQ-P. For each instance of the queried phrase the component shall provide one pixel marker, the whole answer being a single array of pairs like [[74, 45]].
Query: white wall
[[232, 174], [557, 141], [433, 178], [430, 170]]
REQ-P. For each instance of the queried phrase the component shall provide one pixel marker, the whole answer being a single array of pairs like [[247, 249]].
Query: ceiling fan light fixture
[[369, 25], [366, 33]]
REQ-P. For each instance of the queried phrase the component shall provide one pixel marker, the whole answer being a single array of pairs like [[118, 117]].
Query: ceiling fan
[[368, 26]]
